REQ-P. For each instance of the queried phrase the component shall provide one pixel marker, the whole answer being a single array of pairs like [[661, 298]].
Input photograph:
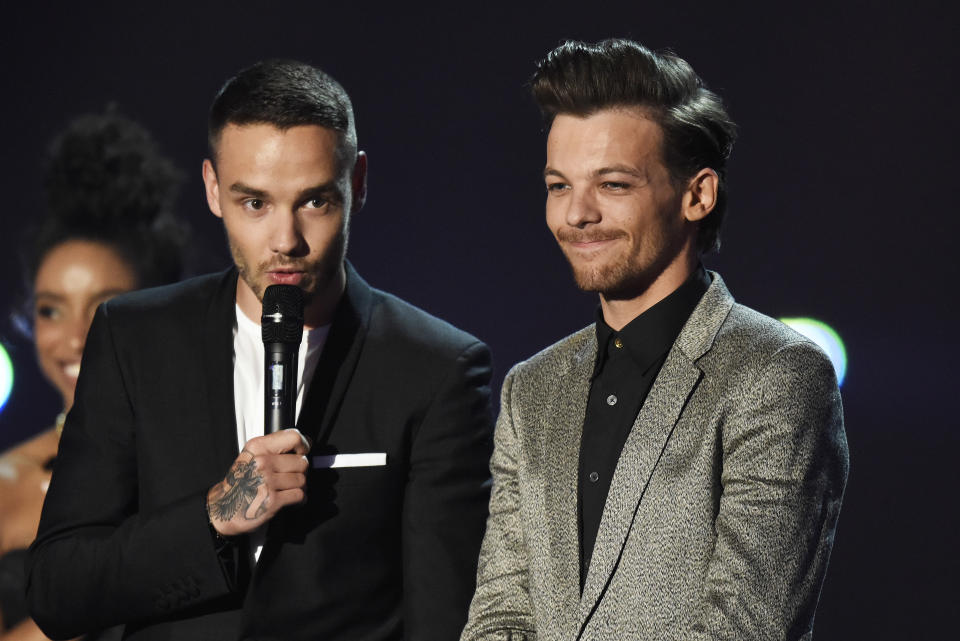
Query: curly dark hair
[[106, 181], [580, 79]]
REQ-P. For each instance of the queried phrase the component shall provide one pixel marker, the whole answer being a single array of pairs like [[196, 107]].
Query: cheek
[[325, 233], [636, 216], [47, 338], [240, 241], [554, 216]]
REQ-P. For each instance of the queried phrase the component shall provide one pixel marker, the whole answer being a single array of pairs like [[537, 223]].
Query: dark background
[[843, 203]]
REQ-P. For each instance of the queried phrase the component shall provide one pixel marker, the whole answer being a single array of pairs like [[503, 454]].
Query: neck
[[320, 306], [618, 312]]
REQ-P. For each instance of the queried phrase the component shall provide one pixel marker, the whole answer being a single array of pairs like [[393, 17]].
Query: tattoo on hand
[[242, 483]]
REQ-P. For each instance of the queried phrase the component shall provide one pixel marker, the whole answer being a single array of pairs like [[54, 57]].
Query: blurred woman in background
[[108, 229]]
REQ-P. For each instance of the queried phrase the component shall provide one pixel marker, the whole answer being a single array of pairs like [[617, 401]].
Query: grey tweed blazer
[[722, 509]]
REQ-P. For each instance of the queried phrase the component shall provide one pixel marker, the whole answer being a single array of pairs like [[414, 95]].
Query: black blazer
[[375, 553]]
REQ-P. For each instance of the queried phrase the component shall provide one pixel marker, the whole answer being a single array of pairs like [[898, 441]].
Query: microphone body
[[281, 326]]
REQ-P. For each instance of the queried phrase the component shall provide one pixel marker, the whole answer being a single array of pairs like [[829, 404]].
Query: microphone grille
[[282, 320]]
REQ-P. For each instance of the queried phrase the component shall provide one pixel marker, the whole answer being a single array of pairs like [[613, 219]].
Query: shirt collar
[[648, 336]]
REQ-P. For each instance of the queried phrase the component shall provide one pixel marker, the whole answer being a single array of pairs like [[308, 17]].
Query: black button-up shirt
[[627, 363]]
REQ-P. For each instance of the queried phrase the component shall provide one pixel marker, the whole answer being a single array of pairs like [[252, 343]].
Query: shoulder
[[402, 329], [752, 347], [555, 361], [39, 448], [183, 302], [178, 295]]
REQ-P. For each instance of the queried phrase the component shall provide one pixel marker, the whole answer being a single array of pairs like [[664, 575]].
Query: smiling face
[[73, 278], [613, 208], [285, 201]]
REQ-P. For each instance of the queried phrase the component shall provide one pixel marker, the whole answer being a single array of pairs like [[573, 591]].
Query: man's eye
[[615, 186], [317, 203], [556, 187], [253, 203]]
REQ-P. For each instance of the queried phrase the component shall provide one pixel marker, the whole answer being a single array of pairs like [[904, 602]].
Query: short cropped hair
[[580, 79], [285, 94]]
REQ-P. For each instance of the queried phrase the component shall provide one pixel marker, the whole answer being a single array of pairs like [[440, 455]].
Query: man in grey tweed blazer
[[725, 484]]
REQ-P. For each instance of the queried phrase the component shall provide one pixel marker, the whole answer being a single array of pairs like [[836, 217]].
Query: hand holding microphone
[[269, 474], [271, 471]]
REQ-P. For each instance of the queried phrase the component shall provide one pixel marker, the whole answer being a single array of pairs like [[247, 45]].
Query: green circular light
[[824, 336], [6, 376]]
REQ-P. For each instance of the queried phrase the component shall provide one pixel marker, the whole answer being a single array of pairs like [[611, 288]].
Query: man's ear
[[701, 195], [212, 187], [358, 182]]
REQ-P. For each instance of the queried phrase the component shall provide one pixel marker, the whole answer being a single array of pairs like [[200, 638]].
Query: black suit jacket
[[375, 553]]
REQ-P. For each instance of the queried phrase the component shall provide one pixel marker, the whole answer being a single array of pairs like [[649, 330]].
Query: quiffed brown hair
[[580, 79]]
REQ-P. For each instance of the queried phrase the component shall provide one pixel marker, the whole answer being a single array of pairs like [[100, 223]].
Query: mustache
[[579, 236], [286, 265]]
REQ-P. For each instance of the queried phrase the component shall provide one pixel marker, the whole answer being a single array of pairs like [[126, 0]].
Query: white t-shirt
[[248, 357]]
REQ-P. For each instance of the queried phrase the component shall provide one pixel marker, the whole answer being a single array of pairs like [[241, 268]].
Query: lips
[[584, 239], [285, 277], [589, 245]]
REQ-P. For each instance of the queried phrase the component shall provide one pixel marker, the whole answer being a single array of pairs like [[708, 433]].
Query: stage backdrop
[[842, 206]]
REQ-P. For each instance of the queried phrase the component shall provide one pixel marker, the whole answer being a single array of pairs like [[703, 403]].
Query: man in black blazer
[[169, 511]]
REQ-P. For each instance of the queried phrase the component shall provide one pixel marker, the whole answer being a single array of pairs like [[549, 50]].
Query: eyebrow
[[619, 169], [247, 190], [613, 169], [548, 171]]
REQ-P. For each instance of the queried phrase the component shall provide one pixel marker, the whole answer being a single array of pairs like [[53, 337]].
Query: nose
[[77, 332], [286, 237], [582, 209]]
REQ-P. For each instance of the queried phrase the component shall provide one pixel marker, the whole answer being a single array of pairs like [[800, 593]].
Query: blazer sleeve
[[501, 609], [445, 500], [98, 560], [784, 469]]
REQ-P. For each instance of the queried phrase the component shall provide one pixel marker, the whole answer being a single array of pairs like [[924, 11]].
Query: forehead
[[265, 149], [80, 264], [609, 136]]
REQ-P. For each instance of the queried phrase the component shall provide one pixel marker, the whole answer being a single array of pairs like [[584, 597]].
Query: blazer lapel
[[338, 360], [561, 451], [661, 410], [217, 333]]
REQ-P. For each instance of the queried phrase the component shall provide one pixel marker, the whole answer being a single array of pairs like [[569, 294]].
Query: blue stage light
[[824, 336], [6, 376]]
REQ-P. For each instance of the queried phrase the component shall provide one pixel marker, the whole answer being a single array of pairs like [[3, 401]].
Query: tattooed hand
[[270, 473]]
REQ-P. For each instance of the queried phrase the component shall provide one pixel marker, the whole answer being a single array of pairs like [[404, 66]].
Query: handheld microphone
[[281, 326]]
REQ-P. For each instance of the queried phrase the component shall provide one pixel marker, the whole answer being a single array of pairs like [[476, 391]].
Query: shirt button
[[611, 400], [618, 343], [594, 477]]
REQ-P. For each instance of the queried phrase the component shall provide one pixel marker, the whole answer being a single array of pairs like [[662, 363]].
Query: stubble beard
[[628, 273], [317, 274]]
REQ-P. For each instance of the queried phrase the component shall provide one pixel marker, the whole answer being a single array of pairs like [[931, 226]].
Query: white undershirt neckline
[[248, 356]]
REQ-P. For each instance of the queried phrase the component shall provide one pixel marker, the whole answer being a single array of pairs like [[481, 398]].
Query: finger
[[268, 463], [287, 481], [290, 497], [305, 445], [278, 443]]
